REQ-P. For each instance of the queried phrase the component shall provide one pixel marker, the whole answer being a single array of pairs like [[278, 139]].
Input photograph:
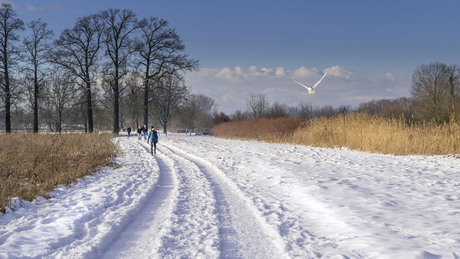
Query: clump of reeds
[[359, 131], [32, 164], [270, 130], [373, 133]]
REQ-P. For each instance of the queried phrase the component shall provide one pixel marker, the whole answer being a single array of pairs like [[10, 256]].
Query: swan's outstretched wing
[[317, 83], [308, 88]]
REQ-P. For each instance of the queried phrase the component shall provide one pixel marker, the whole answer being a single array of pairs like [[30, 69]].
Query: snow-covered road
[[203, 197]]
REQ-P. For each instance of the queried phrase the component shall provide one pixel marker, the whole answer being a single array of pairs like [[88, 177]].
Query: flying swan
[[311, 90]]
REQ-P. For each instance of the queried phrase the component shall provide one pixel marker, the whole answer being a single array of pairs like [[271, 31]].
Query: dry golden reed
[[357, 131], [373, 133], [33, 164], [271, 130]]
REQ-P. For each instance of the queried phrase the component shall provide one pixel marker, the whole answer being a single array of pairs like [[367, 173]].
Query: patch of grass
[[34, 164]]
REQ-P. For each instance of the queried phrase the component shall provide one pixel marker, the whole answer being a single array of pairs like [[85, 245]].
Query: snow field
[[203, 197]]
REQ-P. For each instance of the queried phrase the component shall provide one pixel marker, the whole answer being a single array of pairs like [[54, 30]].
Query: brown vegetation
[[271, 130], [32, 164], [373, 133], [359, 131]]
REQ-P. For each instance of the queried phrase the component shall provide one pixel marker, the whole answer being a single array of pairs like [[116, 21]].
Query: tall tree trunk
[[59, 126], [146, 102], [89, 105], [452, 96], [7, 99], [35, 127], [146, 94], [116, 113], [8, 111]]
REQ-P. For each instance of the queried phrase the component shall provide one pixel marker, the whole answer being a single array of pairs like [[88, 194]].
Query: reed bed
[[359, 131], [32, 164], [270, 130], [373, 133]]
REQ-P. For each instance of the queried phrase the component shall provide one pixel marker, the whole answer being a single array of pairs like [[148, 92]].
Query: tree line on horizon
[[109, 66]]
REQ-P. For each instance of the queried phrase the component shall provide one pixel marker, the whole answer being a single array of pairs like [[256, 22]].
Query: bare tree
[[60, 97], [119, 25], [161, 52], [430, 91], [167, 99], [197, 112], [238, 115], [219, 118], [453, 81], [78, 51], [305, 111], [132, 102], [401, 108], [277, 110], [257, 105], [37, 45], [325, 111], [10, 24]]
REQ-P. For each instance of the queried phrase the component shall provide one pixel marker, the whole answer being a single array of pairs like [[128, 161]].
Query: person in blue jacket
[[153, 139]]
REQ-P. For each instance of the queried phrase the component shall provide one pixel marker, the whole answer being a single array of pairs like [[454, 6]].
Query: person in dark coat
[[129, 131], [145, 131], [139, 132], [153, 138]]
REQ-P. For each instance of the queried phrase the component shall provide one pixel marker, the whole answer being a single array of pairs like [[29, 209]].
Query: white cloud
[[31, 8], [280, 71], [238, 74], [226, 74], [230, 87], [340, 71], [51, 7], [303, 72]]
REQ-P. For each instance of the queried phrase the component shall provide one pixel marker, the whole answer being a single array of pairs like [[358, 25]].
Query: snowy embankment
[[209, 197]]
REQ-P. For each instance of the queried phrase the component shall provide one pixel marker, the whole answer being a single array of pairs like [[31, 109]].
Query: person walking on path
[[145, 130], [129, 131], [139, 132], [153, 138]]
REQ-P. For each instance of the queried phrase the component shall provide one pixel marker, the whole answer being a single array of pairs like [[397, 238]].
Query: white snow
[[204, 197]]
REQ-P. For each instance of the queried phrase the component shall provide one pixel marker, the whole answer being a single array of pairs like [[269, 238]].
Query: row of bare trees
[[258, 106], [106, 60]]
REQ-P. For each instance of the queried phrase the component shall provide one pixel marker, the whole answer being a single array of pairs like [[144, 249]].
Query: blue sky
[[370, 48]]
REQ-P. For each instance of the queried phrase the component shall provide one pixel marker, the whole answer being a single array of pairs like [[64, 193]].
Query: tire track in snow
[[194, 228], [243, 232], [124, 204], [142, 237]]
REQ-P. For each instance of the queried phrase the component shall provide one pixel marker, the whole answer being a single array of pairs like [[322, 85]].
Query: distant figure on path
[[153, 138], [144, 129], [139, 132], [129, 131]]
